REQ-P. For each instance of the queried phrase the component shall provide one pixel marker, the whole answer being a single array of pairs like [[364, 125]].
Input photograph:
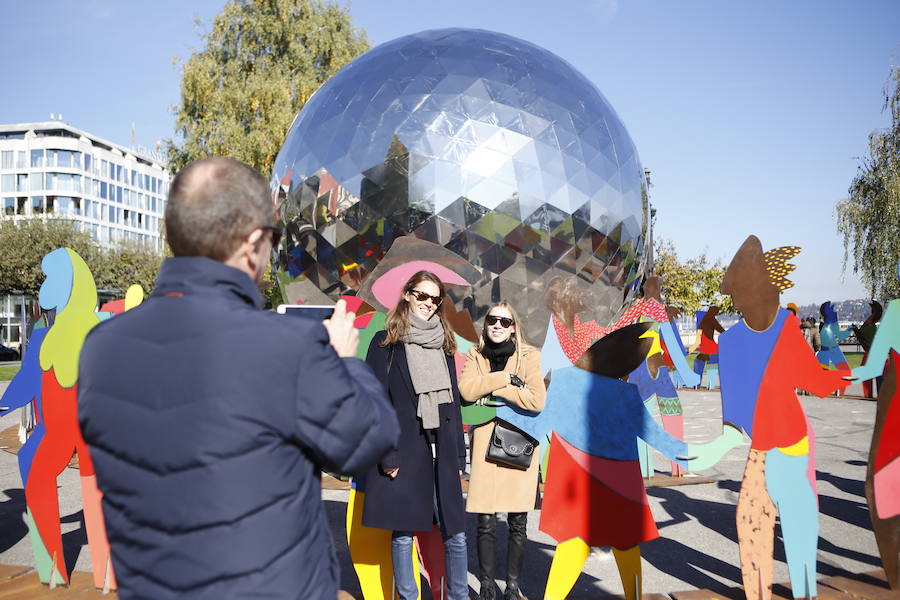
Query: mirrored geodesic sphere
[[477, 141]]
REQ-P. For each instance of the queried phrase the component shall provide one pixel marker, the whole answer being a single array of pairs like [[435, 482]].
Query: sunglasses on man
[[422, 297], [275, 232]]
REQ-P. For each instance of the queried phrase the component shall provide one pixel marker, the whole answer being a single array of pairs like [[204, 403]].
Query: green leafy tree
[[129, 263], [689, 284], [24, 244], [869, 219], [261, 61]]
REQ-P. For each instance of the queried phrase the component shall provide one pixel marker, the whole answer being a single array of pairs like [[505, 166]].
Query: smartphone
[[319, 312]]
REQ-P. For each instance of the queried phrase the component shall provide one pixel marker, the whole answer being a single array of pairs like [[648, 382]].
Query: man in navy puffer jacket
[[208, 419]]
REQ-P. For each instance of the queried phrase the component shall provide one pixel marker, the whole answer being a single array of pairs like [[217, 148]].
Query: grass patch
[[854, 359], [8, 372]]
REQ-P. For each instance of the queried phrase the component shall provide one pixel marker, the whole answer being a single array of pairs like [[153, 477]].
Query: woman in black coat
[[417, 485]]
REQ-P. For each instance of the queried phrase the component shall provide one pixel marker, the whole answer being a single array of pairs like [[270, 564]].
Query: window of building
[[119, 173], [22, 182], [9, 206], [37, 158], [7, 183], [59, 158], [6, 159], [64, 182], [37, 181], [37, 205], [20, 160], [67, 205], [87, 162], [119, 194], [21, 205], [103, 190], [103, 168]]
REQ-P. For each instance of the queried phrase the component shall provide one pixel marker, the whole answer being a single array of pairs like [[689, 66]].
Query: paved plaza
[[697, 550]]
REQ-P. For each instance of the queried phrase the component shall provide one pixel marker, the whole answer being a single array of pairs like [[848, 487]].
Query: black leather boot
[[515, 555], [486, 540]]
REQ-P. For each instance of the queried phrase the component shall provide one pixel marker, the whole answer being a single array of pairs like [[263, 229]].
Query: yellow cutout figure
[[370, 551], [133, 296], [63, 343], [568, 562]]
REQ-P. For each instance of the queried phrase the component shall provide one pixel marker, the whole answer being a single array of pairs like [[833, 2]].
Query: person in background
[[209, 459], [417, 485], [813, 337], [502, 368]]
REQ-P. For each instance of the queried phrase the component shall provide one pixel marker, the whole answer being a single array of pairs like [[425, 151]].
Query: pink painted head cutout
[[388, 287]]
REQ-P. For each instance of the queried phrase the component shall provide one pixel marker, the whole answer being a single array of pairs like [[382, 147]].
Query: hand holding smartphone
[[344, 337]]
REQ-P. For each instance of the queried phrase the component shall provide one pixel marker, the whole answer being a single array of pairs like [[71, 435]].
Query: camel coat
[[493, 488]]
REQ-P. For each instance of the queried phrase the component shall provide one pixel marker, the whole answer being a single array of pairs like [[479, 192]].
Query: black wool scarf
[[498, 354]]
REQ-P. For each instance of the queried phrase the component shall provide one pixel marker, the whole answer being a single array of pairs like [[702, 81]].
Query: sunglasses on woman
[[422, 297], [505, 322]]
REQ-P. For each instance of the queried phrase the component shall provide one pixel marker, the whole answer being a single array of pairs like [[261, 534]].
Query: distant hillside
[[847, 310]]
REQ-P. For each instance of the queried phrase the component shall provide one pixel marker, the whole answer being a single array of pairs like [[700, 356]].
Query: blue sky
[[751, 116]]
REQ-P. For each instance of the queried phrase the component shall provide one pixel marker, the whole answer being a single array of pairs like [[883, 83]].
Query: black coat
[[207, 419], [406, 502]]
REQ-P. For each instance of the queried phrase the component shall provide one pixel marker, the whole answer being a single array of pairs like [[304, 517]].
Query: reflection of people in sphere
[[417, 484]]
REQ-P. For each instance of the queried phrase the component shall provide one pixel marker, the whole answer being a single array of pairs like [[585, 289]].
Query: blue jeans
[[455, 563]]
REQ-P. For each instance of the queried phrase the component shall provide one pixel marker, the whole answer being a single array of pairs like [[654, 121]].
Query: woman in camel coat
[[501, 368]]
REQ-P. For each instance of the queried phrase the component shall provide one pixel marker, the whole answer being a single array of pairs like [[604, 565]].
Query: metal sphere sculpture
[[479, 142]]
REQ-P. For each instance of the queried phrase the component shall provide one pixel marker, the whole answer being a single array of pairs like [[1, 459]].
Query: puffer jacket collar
[[195, 275]]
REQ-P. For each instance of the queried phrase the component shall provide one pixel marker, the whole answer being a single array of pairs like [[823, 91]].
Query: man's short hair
[[214, 203]]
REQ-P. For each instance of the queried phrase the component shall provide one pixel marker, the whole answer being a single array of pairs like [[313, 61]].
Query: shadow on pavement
[[717, 516], [846, 485], [74, 540], [12, 524]]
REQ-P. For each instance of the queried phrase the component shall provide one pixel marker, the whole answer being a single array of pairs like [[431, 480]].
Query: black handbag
[[510, 447]]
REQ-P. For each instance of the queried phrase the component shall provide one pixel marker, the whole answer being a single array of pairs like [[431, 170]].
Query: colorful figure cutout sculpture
[[594, 493], [659, 395], [865, 334], [652, 376], [830, 355], [764, 358], [883, 471], [705, 344], [49, 377]]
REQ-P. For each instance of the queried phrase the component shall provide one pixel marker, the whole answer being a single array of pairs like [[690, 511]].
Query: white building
[[52, 169]]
